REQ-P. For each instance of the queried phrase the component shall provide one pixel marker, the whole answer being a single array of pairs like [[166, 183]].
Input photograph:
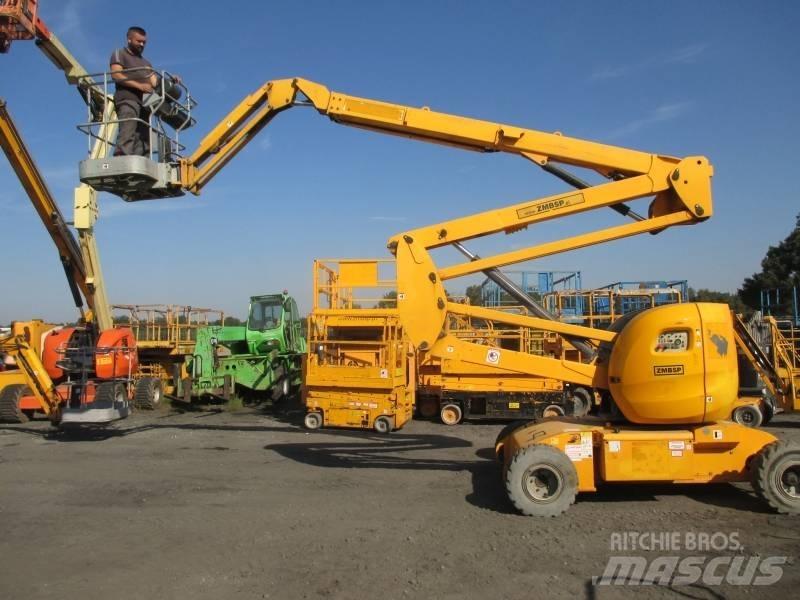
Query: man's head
[[137, 38]]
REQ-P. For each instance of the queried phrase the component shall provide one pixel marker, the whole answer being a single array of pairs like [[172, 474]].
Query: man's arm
[[124, 80]]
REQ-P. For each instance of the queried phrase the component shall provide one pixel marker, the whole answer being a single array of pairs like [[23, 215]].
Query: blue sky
[[680, 78]]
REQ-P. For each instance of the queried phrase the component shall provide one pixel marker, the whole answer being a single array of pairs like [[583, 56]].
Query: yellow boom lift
[[670, 371]]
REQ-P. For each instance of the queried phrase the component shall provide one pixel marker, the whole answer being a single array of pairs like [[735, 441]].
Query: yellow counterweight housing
[[675, 364]]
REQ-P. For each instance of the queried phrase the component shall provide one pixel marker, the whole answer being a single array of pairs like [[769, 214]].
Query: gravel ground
[[249, 505]]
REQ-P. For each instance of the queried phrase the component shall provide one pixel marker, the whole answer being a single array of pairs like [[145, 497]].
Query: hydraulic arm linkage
[[680, 187]]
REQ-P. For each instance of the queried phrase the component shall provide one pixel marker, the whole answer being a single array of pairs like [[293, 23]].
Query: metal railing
[[166, 326], [170, 104], [353, 284]]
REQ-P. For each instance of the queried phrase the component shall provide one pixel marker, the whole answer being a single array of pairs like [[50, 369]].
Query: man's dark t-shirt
[[128, 60]]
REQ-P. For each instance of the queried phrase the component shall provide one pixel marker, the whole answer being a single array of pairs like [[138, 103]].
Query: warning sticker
[[580, 451], [574, 451], [677, 453], [493, 356], [614, 446], [677, 445]]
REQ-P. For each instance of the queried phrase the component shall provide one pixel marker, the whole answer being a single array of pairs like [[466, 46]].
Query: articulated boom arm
[[680, 188], [45, 205], [19, 20], [682, 195], [253, 113]]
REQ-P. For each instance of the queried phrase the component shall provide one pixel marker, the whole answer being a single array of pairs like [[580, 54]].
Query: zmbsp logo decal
[[668, 370], [548, 205]]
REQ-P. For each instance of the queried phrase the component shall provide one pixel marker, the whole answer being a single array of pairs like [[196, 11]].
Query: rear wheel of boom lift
[[776, 476], [147, 393], [541, 481], [451, 414], [748, 415], [10, 412], [383, 424], [313, 420]]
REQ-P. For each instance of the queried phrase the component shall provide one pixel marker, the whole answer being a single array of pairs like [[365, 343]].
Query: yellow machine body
[[710, 453], [360, 370], [675, 364], [33, 332]]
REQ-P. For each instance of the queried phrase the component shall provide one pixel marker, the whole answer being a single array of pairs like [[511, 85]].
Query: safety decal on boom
[[493, 356], [544, 206]]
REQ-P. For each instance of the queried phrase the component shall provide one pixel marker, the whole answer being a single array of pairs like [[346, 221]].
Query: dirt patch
[[217, 505]]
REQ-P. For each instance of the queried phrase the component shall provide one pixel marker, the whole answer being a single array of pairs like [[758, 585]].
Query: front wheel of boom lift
[[776, 476], [541, 481]]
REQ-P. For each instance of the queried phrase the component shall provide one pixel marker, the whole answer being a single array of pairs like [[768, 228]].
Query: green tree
[[705, 295], [389, 300], [780, 270], [473, 292], [229, 321]]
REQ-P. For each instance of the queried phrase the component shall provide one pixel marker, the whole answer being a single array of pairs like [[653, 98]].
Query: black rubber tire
[[775, 473], [109, 392], [313, 420], [10, 411], [582, 401], [747, 415], [767, 411], [537, 467], [509, 429], [147, 393], [383, 425], [451, 414], [428, 407]]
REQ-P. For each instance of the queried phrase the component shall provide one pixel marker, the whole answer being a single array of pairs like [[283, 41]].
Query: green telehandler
[[260, 361]]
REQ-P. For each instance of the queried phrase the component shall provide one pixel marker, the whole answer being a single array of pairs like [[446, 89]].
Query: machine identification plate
[[668, 370], [548, 205]]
